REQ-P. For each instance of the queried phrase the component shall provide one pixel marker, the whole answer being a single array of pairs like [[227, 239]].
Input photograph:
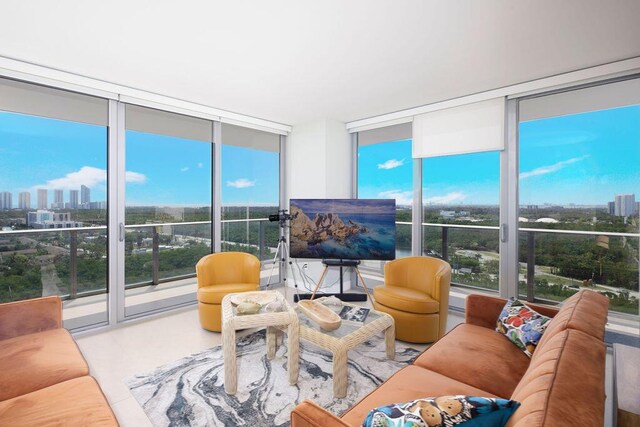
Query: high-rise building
[[49, 219], [58, 199], [42, 198], [85, 196], [73, 199], [625, 204], [5, 200], [24, 200], [611, 206]]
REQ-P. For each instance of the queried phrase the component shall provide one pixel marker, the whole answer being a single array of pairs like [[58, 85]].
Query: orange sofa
[[44, 380], [561, 385]]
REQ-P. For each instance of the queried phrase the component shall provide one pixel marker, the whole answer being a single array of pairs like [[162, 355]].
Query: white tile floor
[[118, 353]]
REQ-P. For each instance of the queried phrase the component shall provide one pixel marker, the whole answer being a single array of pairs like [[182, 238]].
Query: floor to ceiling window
[[53, 199], [385, 171], [579, 185], [168, 206], [250, 192], [461, 215], [109, 205]]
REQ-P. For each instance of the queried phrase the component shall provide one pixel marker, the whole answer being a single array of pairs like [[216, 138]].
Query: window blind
[[250, 138], [385, 134], [149, 120], [27, 98], [468, 128]]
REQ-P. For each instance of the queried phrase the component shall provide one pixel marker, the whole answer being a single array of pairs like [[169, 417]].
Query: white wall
[[319, 165]]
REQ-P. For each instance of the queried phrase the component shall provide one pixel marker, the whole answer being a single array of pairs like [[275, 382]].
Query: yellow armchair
[[416, 295], [220, 274]]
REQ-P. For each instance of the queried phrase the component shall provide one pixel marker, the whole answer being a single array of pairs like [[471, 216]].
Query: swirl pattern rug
[[190, 391]]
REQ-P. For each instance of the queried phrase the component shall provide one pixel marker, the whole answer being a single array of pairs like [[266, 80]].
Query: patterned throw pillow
[[444, 411], [522, 325]]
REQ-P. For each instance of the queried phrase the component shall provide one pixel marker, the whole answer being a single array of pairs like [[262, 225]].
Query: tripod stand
[[281, 257]]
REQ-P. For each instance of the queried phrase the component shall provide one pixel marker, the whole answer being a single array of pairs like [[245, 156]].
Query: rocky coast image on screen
[[362, 229]]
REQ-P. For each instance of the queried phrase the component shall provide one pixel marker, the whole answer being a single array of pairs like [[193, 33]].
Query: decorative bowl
[[258, 297], [326, 318], [248, 307]]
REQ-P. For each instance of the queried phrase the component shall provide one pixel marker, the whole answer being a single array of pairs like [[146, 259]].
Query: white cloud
[[89, 176], [402, 197], [241, 183], [390, 164], [543, 170], [200, 164], [184, 169], [454, 196], [135, 177]]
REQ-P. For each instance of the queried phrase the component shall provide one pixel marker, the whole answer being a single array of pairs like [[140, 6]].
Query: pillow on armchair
[[443, 411], [522, 325]]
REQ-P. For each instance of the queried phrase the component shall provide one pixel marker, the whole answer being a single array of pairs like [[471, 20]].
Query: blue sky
[[161, 170], [583, 159]]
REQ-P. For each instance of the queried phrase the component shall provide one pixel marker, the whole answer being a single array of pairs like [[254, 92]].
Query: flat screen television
[[353, 229]]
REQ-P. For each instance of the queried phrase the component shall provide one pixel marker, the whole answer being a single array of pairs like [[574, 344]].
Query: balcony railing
[[148, 247], [50, 246], [536, 284]]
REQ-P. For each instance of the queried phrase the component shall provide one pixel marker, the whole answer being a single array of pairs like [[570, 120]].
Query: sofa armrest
[[308, 414], [30, 316], [483, 310]]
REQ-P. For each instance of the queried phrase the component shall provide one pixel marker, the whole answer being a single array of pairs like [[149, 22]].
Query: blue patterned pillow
[[443, 411], [522, 325]]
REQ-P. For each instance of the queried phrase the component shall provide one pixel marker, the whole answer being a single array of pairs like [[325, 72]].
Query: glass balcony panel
[[71, 264], [562, 264]]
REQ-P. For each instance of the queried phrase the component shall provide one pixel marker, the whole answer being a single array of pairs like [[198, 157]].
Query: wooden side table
[[286, 320]]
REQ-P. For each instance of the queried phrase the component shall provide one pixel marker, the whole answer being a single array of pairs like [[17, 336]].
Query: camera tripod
[[282, 258]]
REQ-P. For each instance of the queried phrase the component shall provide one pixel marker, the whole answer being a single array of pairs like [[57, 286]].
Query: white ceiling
[[293, 61]]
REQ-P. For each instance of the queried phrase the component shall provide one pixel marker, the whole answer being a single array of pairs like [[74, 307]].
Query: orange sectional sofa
[[561, 385], [44, 380]]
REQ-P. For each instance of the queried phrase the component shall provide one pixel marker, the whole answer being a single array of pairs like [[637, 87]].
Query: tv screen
[[361, 229]]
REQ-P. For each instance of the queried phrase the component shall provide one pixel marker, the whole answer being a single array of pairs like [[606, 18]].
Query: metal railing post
[[155, 274], [445, 243], [73, 264], [531, 265], [261, 241]]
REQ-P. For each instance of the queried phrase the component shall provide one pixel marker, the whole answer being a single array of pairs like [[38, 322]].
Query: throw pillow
[[522, 325], [443, 411]]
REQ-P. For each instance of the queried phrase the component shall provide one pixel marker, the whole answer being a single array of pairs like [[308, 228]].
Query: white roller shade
[[385, 134], [42, 101], [601, 97], [468, 128], [148, 120], [250, 138]]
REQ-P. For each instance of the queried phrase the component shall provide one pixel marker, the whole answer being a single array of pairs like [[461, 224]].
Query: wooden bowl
[[326, 318]]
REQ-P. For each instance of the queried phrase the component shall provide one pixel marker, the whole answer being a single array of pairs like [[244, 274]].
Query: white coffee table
[[286, 320], [346, 337]]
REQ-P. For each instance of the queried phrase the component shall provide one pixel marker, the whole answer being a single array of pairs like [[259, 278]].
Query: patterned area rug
[[190, 391]]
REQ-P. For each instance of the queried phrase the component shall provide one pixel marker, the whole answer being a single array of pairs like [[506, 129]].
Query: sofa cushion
[[77, 402], [410, 383], [35, 361], [477, 356], [585, 311], [522, 325], [406, 299], [213, 294], [443, 411], [564, 385]]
